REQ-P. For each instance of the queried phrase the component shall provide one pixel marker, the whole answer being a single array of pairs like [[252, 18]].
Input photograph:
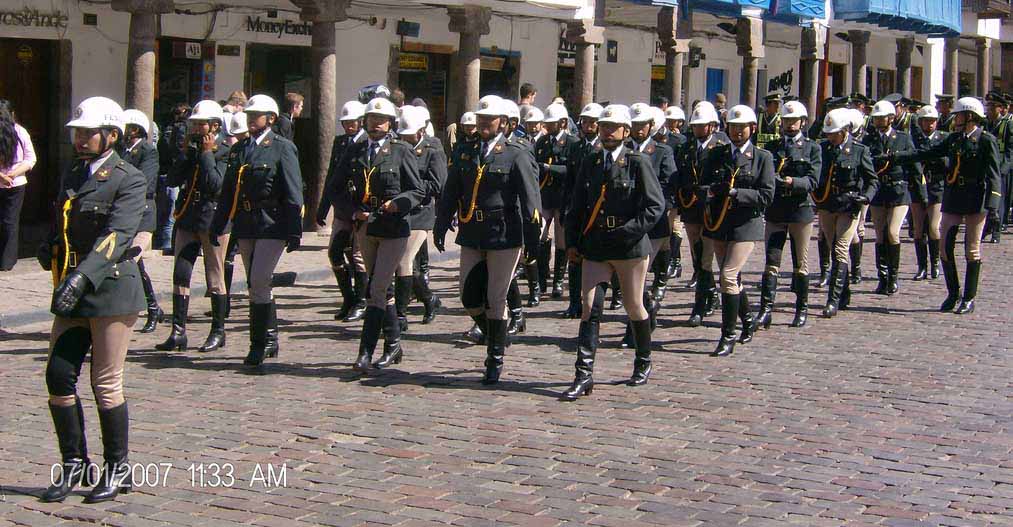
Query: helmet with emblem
[[411, 121], [883, 108], [469, 119], [704, 113], [969, 104], [794, 110], [616, 114], [674, 113], [207, 111], [837, 120], [534, 115], [98, 112], [261, 103], [138, 119], [238, 124], [491, 106], [352, 111], [591, 110], [927, 112], [741, 114], [381, 106]]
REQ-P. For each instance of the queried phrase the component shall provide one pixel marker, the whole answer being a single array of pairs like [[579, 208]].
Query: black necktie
[[250, 144], [608, 162], [372, 152]]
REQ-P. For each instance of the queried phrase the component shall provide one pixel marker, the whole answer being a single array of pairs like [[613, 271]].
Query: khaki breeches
[[705, 258], [260, 257], [110, 338], [357, 260], [632, 273], [732, 257], [500, 265], [887, 222], [860, 226], [552, 221], [927, 217], [406, 265], [972, 234], [382, 256], [838, 230], [214, 259]]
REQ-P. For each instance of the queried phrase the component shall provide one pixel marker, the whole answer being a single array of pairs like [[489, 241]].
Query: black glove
[[856, 198], [45, 256], [720, 189], [292, 243], [69, 293], [321, 218], [440, 240]]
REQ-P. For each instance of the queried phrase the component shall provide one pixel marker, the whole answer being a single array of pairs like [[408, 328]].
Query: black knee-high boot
[[402, 296], [661, 266], [675, 262], [970, 287], [729, 316], [746, 317], [361, 284], [933, 259], [216, 338], [617, 293], [116, 469], [768, 292], [177, 338], [155, 314], [855, 254], [496, 343], [372, 323], [558, 273], [642, 360], [824, 253], [392, 350], [515, 308], [587, 347], [69, 424], [574, 308], [922, 256]]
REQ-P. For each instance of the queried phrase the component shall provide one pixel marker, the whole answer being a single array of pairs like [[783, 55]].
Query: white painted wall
[[628, 80]]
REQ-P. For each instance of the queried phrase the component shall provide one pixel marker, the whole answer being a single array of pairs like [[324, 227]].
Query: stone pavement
[[890, 414]]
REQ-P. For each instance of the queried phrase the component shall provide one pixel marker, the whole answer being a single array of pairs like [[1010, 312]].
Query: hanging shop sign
[[33, 18], [281, 27]]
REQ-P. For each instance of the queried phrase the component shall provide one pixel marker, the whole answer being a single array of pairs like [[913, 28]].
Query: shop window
[[886, 82]]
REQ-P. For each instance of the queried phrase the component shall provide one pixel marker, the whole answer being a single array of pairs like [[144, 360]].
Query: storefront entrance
[[186, 74], [424, 75]]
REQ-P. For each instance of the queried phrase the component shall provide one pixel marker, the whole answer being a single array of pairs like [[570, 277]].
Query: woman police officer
[[738, 180], [928, 214], [262, 198], [616, 201], [97, 297], [492, 187], [199, 172]]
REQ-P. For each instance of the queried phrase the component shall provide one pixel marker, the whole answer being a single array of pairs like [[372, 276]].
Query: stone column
[[140, 88], [984, 76], [859, 62], [905, 46], [675, 52], [814, 41], [1007, 66], [323, 14], [951, 66], [749, 41], [585, 36], [471, 22]]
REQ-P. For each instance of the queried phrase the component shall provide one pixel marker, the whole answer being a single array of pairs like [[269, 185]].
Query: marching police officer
[[944, 104], [262, 198], [345, 256], [998, 124], [533, 125], [138, 150], [737, 185], [661, 263], [861, 126], [971, 195], [552, 154], [675, 119], [432, 166], [588, 143], [797, 161], [769, 128], [616, 201], [237, 132], [927, 214], [382, 186], [893, 198], [695, 154], [847, 182], [492, 187], [97, 295], [199, 172]]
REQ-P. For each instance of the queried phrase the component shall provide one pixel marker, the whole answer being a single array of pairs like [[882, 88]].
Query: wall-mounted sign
[[25, 54], [612, 50], [781, 83], [284, 27], [33, 18], [491, 63], [193, 50], [413, 62], [228, 51]]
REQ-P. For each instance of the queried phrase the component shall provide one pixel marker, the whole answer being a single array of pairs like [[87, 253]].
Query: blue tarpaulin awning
[[938, 18]]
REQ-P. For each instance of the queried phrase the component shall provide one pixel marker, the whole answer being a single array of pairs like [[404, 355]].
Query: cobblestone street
[[889, 414]]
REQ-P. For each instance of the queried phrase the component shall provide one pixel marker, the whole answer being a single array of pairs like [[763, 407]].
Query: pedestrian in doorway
[[17, 157]]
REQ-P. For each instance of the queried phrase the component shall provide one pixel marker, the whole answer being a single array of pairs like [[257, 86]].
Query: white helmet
[[741, 114], [534, 115], [838, 119], [641, 112], [616, 113], [592, 110], [512, 110], [659, 120], [137, 118], [857, 118], [927, 112], [555, 112], [469, 118], [883, 109], [424, 112], [412, 120], [261, 104], [794, 110], [352, 110], [969, 104], [704, 113], [237, 125], [381, 106], [491, 105], [674, 113], [98, 112], [206, 111]]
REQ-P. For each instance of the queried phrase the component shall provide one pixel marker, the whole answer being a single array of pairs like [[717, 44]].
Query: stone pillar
[[471, 22], [814, 41], [323, 14], [951, 66], [749, 41], [984, 76], [1007, 66], [905, 46], [140, 88], [859, 61], [585, 36], [675, 52]]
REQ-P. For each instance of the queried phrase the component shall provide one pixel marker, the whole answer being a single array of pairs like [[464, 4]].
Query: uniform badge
[[498, 148], [385, 150], [266, 142], [622, 161], [650, 150], [418, 151], [465, 157], [102, 175]]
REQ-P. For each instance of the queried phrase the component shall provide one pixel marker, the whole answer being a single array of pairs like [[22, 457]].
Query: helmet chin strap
[[104, 147]]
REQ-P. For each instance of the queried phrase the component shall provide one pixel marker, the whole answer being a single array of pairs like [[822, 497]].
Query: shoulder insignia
[[385, 150], [498, 148], [418, 151], [622, 161], [102, 175], [266, 142]]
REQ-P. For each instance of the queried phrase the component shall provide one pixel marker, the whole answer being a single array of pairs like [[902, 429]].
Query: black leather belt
[[609, 223], [490, 214], [250, 206]]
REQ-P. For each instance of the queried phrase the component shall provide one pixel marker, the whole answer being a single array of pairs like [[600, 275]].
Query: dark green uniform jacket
[[144, 157], [690, 160], [552, 180], [102, 211], [933, 170], [263, 191], [392, 175], [333, 184], [631, 203], [846, 172], [972, 185], [663, 162], [199, 176], [433, 171], [800, 160], [895, 179], [753, 173], [500, 211]]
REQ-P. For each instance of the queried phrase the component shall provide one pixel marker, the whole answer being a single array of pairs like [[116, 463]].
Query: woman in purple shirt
[[17, 157]]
